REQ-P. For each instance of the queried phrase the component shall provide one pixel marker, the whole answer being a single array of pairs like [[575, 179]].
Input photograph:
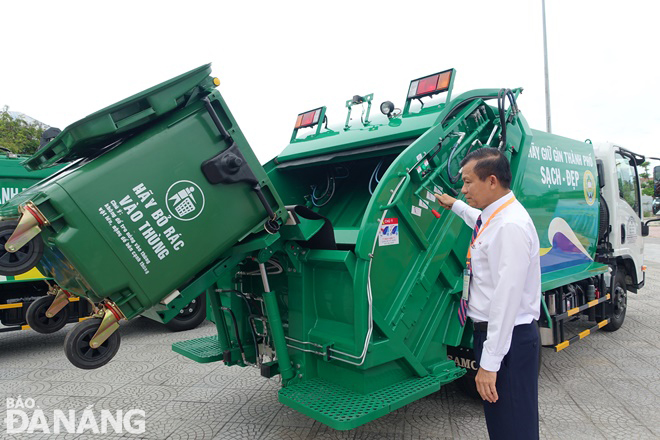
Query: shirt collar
[[490, 209]]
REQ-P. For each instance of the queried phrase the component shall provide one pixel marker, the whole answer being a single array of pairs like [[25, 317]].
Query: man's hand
[[445, 201], [486, 384]]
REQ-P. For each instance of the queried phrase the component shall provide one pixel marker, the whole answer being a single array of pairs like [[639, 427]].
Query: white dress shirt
[[505, 289]]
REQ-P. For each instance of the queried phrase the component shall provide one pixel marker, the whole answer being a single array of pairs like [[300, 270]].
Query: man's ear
[[492, 180]]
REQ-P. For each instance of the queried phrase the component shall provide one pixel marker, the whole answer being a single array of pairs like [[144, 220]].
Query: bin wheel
[[39, 322], [24, 259], [78, 351], [619, 303], [190, 316]]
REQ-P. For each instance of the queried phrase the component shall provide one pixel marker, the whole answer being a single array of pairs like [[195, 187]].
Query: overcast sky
[[63, 60]]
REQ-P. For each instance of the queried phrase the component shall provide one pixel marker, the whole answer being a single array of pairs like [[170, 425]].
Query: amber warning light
[[309, 118], [430, 85]]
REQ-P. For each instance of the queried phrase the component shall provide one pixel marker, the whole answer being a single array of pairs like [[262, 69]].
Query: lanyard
[[500, 209]]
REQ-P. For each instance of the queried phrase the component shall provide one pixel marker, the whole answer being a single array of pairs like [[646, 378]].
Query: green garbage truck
[[24, 287], [330, 265]]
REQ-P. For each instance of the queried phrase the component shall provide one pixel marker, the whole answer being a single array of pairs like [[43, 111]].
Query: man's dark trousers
[[515, 415]]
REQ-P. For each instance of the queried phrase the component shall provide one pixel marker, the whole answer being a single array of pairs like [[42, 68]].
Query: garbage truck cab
[[621, 216]]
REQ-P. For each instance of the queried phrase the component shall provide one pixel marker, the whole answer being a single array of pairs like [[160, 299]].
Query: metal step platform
[[343, 409], [202, 350]]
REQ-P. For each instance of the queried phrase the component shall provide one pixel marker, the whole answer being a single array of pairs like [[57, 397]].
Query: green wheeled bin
[[147, 208]]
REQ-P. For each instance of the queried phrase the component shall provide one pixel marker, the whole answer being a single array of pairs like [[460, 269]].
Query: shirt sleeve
[[509, 256], [466, 212]]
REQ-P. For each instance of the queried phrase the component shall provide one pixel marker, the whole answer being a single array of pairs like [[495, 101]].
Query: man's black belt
[[480, 326], [483, 325]]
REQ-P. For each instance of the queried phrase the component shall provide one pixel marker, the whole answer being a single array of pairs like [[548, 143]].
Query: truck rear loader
[[330, 265]]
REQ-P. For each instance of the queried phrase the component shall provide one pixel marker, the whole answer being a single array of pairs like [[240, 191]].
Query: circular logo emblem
[[589, 188], [184, 200]]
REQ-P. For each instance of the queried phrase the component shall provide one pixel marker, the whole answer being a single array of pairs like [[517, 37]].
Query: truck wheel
[[39, 322], [190, 316], [619, 304], [24, 259], [78, 351]]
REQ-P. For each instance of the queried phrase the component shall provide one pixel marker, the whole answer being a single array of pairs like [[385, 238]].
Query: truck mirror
[[601, 173], [656, 181]]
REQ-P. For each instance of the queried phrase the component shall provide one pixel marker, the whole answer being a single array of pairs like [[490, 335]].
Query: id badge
[[466, 283]]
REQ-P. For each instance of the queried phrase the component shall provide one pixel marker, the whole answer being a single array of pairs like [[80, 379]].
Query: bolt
[[297, 366], [300, 376]]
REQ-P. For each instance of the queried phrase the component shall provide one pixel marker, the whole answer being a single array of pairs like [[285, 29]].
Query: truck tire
[[619, 303], [190, 316], [39, 322]]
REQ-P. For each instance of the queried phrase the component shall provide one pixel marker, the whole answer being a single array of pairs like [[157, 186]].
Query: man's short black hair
[[490, 162]]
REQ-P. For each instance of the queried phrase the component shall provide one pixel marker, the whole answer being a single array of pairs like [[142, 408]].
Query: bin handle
[[135, 117], [399, 191]]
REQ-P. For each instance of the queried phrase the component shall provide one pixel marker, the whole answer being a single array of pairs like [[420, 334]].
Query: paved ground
[[606, 386]]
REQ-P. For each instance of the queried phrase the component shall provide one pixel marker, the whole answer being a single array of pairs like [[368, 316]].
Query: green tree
[[18, 135], [646, 166]]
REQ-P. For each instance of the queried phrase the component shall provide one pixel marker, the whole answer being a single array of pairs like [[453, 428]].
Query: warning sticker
[[389, 232], [430, 196], [416, 210]]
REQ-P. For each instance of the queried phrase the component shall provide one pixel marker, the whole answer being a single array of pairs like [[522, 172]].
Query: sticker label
[[416, 210], [389, 232], [423, 204], [631, 230], [589, 187], [430, 196], [185, 200]]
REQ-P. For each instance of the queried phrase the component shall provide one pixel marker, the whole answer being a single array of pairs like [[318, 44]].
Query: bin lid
[[108, 124]]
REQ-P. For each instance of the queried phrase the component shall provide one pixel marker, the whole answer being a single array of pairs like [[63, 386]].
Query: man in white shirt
[[502, 294]]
